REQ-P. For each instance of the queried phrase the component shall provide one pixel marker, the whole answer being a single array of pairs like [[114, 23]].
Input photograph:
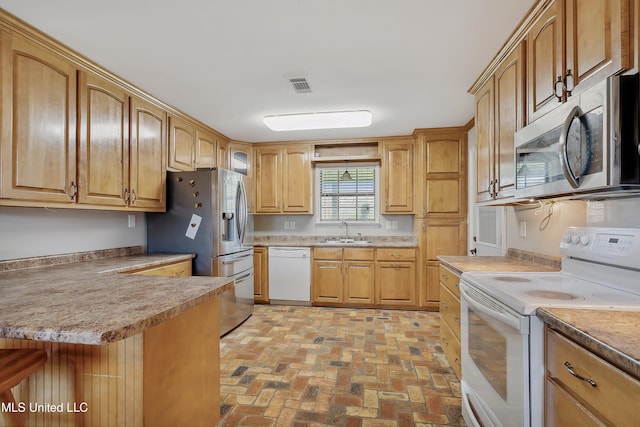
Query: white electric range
[[502, 339]]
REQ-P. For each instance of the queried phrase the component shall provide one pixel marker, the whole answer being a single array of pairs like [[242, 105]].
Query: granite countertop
[[514, 261], [88, 302], [612, 335], [321, 241]]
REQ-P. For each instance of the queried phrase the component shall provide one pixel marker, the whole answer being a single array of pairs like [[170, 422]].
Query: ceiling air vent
[[300, 85]]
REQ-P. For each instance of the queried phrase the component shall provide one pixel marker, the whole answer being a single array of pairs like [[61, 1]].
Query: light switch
[[131, 221]]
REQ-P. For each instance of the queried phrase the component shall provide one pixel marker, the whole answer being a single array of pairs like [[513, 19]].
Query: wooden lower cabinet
[[569, 400], [450, 318], [167, 375], [261, 274], [364, 277]]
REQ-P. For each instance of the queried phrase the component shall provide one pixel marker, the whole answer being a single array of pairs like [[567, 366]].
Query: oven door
[[495, 361]]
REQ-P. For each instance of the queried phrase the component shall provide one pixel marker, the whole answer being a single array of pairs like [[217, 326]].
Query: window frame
[[376, 197]]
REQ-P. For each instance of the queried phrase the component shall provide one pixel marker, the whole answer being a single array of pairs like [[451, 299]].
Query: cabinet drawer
[[396, 254], [561, 409], [615, 394], [182, 268], [358, 254], [450, 310], [450, 280], [327, 253], [451, 346]]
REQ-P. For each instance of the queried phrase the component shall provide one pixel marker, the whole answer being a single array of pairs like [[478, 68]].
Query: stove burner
[[511, 279], [545, 294]]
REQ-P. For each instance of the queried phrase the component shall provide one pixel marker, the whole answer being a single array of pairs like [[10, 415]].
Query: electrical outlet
[[394, 225], [286, 225], [131, 221], [292, 225]]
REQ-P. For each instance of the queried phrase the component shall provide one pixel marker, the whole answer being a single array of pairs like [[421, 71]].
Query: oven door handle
[[496, 312], [474, 413]]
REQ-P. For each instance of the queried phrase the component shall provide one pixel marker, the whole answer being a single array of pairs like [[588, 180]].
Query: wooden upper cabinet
[[38, 123], [103, 175], [578, 42], [544, 61], [268, 193], [206, 156], [297, 179], [446, 172], [509, 80], [484, 124], [182, 141], [147, 165], [283, 179], [397, 176], [222, 153]]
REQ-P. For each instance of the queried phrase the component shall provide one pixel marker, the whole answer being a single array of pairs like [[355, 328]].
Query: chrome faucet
[[346, 226]]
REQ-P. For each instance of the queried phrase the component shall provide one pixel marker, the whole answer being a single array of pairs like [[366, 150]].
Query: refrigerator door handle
[[241, 209]]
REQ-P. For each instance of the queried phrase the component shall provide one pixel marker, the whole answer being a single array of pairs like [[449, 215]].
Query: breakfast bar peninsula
[[131, 340]]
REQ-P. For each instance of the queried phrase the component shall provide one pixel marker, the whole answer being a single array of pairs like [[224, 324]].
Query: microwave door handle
[[563, 148]]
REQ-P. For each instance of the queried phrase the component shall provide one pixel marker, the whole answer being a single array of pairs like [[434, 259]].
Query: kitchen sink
[[343, 241]]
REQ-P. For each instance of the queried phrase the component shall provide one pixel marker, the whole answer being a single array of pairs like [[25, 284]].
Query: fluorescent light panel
[[327, 120]]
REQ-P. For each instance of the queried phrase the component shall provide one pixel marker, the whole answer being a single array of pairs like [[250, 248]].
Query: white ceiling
[[227, 63]]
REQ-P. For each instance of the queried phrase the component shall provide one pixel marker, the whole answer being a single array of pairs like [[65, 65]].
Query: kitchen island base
[[167, 375]]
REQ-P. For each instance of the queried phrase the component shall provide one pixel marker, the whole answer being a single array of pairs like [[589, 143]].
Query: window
[[348, 194]]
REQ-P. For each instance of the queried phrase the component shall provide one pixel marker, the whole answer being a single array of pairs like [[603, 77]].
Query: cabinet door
[[38, 123], [260, 275], [177, 269], [446, 238], [446, 177], [597, 40], [544, 61], [359, 278], [103, 175], [268, 180], [182, 137], [326, 281], [396, 283], [222, 152], [148, 146], [509, 117], [297, 179], [484, 142], [205, 149], [397, 177]]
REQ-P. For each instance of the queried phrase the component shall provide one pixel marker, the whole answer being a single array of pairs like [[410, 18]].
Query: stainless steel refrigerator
[[207, 215]]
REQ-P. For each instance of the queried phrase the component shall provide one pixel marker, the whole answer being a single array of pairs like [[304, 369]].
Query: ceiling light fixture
[[326, 120]]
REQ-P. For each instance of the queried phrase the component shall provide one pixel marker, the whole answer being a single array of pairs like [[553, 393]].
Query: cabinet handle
[[490, 188], [127, 196], [457, 320], [444, 304], [179, 272], [556, 92], [580, 377], [424, 226], [444, 277], [396, 255], [445, 341], [424, 213], [567, 83], [134, 196], [74, 190]]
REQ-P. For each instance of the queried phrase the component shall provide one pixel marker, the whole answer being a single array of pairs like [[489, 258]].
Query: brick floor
[[317, 366]]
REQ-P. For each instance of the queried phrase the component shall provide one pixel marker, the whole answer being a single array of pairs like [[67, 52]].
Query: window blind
[[343, 199]]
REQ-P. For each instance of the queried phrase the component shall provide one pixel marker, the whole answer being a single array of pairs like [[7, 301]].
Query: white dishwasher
[[290, 275]]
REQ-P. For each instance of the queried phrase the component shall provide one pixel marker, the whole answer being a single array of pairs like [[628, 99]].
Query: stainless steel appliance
[[207, 215], [501, 337], [588, 146]]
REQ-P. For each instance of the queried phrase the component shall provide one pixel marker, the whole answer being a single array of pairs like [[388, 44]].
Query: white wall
[[28, 232]]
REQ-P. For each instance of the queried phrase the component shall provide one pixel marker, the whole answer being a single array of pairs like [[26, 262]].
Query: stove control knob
[[584, 240], [575, 239], [566, 238]]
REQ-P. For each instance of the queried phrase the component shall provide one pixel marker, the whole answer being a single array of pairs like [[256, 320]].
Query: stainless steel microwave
[[589, 146]]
